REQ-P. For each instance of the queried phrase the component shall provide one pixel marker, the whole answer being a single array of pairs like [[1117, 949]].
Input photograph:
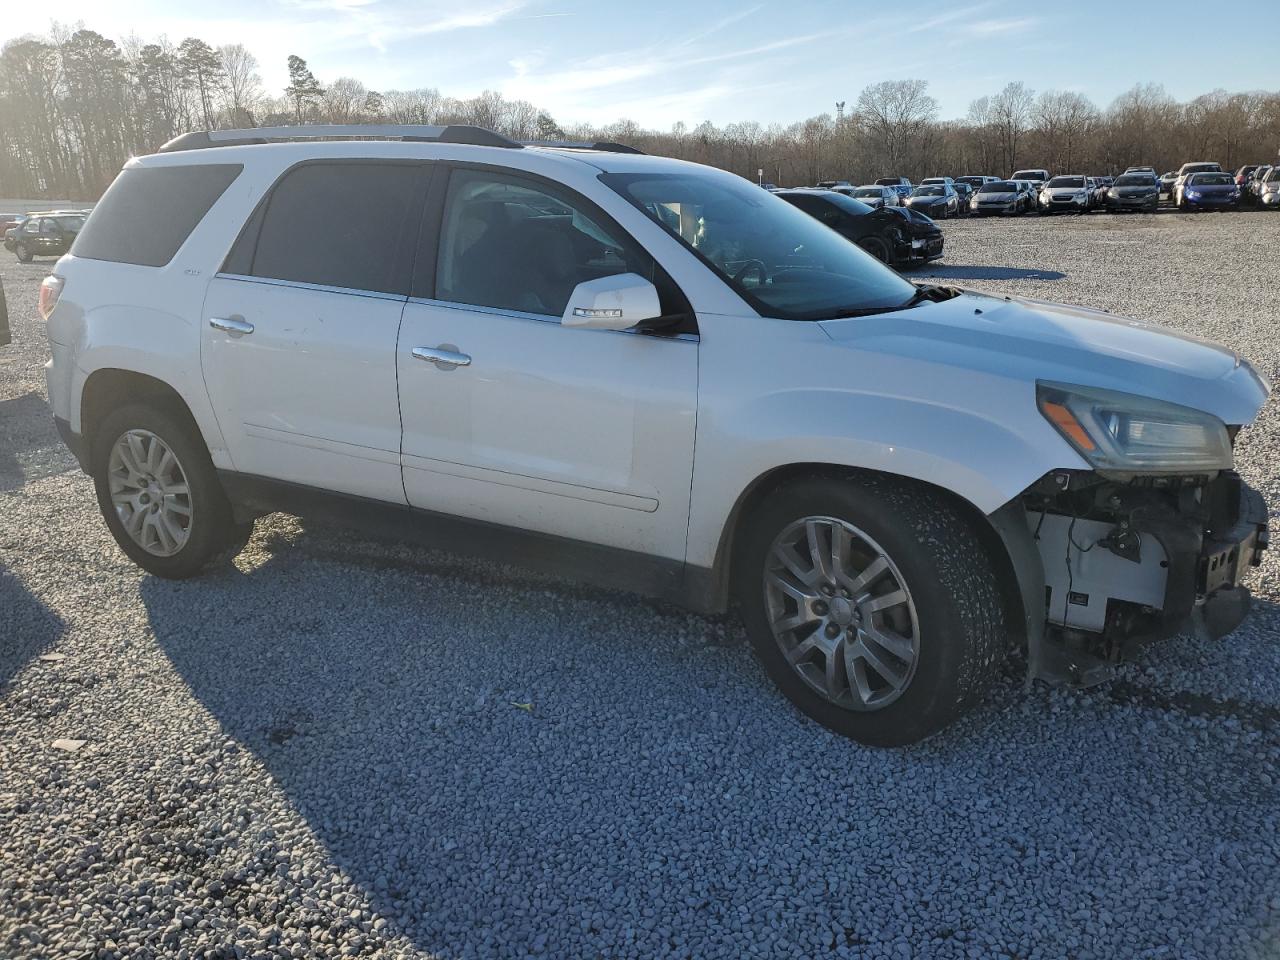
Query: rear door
[[299, 328]]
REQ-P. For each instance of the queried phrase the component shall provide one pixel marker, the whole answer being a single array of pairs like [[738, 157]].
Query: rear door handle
[[233, 325], [445, 356]]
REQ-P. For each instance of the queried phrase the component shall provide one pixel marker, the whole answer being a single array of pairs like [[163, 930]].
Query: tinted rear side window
[[349, 225], [148, 212]]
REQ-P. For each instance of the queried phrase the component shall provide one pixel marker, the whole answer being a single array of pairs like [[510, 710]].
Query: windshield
[[1211, 180], [1135, 180], [972, 181], [999, 186], [929, 191], [889, 181], [868, 192], [1028, 175], [1076, 182], [1201, 168], [783, 261]]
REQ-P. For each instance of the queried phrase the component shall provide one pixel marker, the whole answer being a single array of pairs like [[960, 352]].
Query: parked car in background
[[1067, 194], [1252, 192], [964, 193], [999, 198], [976, 180], [894, 235], [1268, 192], [1244, 173], [935, 200], [1167, 182], [946, 180], [1186, 170], [11, 233], [832, 184], [47, 234], [902, 185], [1134, 191], [1150, 170], [8, 220], [1039, 177], [1209, 191], [873, 196]]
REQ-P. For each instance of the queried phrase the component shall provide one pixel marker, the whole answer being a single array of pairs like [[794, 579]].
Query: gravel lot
[[345, 747]]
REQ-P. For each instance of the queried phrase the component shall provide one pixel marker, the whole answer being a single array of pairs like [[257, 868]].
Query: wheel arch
[[1003, 534], [109, 388]]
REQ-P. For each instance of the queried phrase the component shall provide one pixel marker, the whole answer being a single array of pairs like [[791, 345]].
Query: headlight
[[1113, 192], [1127, 433], [1193, 194], [1271, 188]]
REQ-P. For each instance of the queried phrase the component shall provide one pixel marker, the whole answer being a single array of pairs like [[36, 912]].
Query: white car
[[653, 374], [1073, 193]]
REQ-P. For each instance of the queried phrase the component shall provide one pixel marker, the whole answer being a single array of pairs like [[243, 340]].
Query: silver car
[[874, 196]]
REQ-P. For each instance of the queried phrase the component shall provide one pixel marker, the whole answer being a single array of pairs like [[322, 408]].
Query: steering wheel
[[758, 266]]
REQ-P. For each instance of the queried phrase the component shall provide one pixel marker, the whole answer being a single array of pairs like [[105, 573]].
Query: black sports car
[[897, 236]]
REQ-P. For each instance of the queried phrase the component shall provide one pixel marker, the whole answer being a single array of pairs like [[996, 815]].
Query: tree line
[[75, 105]]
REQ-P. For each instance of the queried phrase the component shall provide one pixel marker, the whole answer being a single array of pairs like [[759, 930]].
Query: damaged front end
[[1132, 559]]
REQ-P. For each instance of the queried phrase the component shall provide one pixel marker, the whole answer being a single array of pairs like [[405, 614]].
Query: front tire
[[871, 603], [877, 248], [24, 254], [160, 495]]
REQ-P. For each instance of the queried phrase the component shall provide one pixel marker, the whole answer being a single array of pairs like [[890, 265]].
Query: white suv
[[653, 374]]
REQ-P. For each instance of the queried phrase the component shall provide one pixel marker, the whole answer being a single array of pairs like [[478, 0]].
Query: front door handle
[[233, 325], [445, 356]]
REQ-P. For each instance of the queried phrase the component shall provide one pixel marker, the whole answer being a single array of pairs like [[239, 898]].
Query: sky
[[663, 61]]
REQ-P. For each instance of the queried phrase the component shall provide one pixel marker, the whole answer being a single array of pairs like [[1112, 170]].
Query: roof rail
[[608, 146], [451, 133]]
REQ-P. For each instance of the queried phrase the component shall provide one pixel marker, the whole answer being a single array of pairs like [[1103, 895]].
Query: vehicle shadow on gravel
[[28, 627], [29, 442], [509, 767], [947, 271]]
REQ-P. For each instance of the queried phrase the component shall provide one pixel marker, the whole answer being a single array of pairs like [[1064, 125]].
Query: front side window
[[778, 258], [342, 224], [516, 244]]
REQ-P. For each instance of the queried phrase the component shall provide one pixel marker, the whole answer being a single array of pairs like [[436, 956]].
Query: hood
[[1033, 340], [997, 197], [1065, 191], [1132, 191], [1211, 187], [925, 201]]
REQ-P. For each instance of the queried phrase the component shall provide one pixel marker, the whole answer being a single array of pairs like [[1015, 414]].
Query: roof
[[400, 142]]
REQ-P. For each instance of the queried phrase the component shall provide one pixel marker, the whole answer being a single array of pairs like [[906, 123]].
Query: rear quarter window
[[148, 212]]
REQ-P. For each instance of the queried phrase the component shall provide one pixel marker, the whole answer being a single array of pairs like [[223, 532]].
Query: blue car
[[1209, 191]]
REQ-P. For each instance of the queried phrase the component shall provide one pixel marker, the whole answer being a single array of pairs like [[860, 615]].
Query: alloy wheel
[[150, 493], [841, 613]]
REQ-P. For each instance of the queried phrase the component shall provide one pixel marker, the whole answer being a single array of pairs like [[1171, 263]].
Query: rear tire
[[887, 660], [152, 471]]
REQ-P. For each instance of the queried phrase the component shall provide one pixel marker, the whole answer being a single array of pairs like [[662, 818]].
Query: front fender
[[983, 462]]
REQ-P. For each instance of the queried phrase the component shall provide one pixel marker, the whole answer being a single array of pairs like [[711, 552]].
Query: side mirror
[[612, 303]]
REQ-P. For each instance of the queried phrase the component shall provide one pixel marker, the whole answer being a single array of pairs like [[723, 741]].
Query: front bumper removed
[[1126, 563]]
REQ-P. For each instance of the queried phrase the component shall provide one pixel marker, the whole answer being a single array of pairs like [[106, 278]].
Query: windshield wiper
[[924, 291], [929, 291]]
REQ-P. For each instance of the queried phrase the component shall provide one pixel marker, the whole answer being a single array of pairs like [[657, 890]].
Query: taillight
[[50, 291]]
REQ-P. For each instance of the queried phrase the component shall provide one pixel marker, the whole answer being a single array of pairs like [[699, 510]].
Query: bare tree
[[895, 113], [242, 93], [1010, 117]]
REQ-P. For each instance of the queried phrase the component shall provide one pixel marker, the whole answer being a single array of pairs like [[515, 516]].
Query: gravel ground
[[344, 747]]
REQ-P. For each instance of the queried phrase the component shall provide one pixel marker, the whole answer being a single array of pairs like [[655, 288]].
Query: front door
[[299, 329], [583, 434]]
